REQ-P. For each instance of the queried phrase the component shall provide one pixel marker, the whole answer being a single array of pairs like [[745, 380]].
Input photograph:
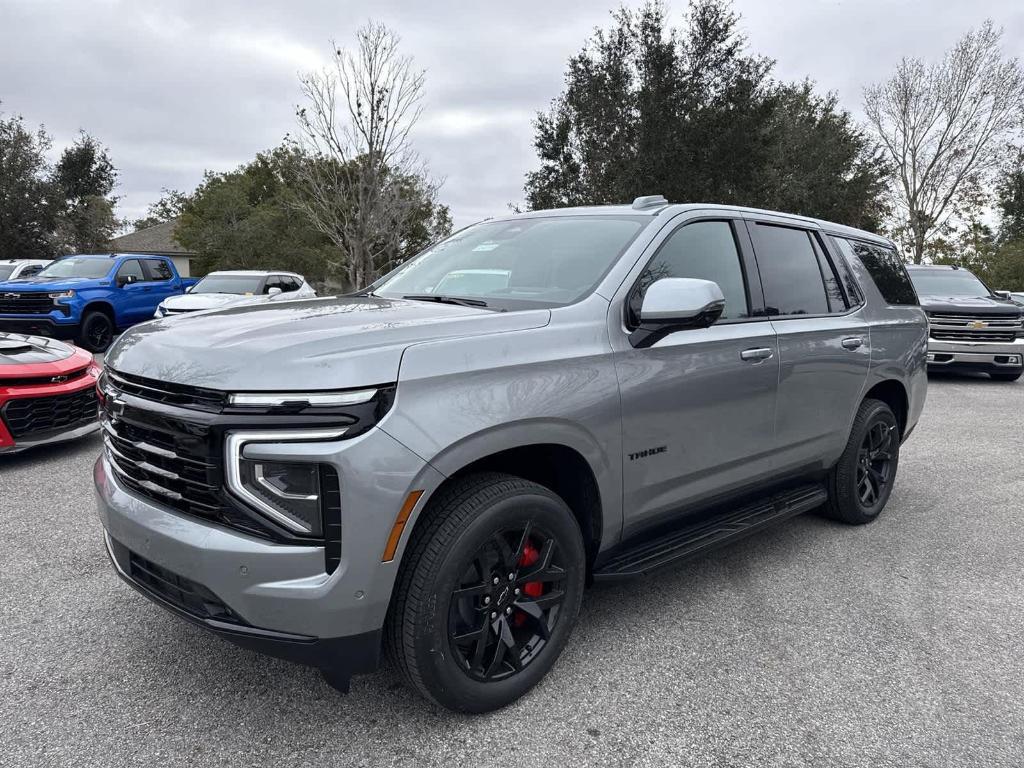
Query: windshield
[[6, 270], [521, 263], [78, 267], [243, 285], [947, 282]]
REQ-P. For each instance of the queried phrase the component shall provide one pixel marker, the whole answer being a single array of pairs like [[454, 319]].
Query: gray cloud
[[176, 88]]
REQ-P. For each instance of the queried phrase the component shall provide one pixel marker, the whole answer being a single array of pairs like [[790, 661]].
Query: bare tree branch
[[364, 184], [944, 127]]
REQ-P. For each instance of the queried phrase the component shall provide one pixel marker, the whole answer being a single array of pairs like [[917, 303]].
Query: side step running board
[[694, 540]]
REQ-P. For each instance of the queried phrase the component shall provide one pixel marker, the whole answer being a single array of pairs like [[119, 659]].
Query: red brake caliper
[[531, 588]]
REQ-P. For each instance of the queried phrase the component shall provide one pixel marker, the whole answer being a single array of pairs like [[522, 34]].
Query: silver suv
[[438, 464]]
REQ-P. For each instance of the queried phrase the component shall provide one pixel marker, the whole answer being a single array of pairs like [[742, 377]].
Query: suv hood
[[313, 344], [980, 305]]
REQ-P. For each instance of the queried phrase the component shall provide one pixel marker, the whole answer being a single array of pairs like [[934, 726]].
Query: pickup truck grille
[[25, 303], [31, 417], [945, 326]]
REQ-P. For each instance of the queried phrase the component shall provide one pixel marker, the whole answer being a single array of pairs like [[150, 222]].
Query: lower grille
[[25, 304], [36, 416], [189, 596]]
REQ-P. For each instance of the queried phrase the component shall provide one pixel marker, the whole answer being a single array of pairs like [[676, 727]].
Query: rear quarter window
[[886, 269]]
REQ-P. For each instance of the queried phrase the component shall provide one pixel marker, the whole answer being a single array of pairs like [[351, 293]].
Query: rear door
[[160, 281], [824, 342], [698, 406]]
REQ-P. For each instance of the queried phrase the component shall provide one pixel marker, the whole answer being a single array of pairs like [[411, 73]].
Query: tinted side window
[[31, 269], [158, 269], [705, 250], [131, 268], [886, 269], [289, 284], [790, 275], [274, 281]]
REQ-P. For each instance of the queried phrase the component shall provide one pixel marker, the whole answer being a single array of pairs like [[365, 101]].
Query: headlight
[[287, 492], [304, 399], [63, 295], [161, 311]]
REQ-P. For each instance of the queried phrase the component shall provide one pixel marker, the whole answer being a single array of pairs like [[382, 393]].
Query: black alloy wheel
[[507, 603], [874, 463]]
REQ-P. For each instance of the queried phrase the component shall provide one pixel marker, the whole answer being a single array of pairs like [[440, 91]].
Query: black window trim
[[751, 222], [839, 261], [748, 267]]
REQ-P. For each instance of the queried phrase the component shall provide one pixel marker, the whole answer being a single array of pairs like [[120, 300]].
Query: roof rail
[[649, 201]]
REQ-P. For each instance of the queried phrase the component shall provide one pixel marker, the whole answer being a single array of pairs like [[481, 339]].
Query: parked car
[[442, 473], [47, 392], [222, 289], [970, 327], [89, 298], [13, 269]]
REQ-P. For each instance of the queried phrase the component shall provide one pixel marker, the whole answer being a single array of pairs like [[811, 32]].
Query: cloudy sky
[[180, 86]]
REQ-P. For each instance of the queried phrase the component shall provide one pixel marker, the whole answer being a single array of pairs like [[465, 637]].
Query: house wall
[[183, 264]]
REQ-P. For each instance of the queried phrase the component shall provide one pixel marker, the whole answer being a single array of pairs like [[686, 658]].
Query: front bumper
[[287, 604], [57, 437], [62, 327], [1005, 356]]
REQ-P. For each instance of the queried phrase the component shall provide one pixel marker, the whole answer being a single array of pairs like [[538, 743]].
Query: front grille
[[156, 465], [28, 381], [189, 596], [31, 417], [25, 303], [965, 335], [209, 400]]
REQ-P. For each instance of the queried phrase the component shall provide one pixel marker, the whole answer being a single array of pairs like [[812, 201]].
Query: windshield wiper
[[447, 300]]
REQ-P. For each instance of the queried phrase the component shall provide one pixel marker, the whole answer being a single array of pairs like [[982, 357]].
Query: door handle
[[854, 342], [756, 354]]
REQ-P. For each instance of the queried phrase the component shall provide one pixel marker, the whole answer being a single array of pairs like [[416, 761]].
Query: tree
[[85, 179], [27, 197], [365, 188], [943, 127], [245, 219], [169, 206], [1010, 198], [689, 114]]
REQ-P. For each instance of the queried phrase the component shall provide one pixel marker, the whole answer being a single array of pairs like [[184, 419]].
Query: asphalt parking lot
[[898, 644]]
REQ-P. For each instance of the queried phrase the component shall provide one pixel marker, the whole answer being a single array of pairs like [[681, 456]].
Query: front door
[[134, 304], [698, 407]]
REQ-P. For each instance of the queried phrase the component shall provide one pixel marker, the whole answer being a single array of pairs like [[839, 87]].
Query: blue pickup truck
[[89, 298]]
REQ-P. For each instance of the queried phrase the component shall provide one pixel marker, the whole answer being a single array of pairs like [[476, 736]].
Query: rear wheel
[[862, 480], [489, 591], [96, 332], [1006, 376]]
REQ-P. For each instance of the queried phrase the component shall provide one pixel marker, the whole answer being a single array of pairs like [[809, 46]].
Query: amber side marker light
[[399, 526]]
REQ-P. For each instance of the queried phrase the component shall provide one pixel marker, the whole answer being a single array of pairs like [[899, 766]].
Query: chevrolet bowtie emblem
[[978, 324]]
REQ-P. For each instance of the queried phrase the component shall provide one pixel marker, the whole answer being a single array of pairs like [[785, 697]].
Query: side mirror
[[677, 304], [272, 292], [125, 280], [1003, 295]]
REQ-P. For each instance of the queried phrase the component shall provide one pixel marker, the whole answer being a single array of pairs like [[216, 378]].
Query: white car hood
[[194, 302]]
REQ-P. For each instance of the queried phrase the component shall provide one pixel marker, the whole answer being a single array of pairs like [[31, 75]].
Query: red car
[[47, 392]]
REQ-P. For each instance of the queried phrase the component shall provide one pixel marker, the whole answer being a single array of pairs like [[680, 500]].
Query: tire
[[96, 332], [454, 649], [849, 499], [1006, 376]]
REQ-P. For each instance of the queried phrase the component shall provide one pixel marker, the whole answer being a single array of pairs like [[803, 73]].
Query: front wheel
[[488, 593], [96, 332], [860, 483]]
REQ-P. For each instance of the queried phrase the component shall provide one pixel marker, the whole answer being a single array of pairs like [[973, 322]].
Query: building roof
[[158, 239]]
